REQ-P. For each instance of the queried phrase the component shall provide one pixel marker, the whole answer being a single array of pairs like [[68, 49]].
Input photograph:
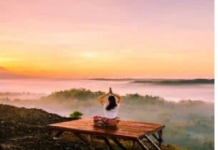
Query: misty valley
[[189, 123]]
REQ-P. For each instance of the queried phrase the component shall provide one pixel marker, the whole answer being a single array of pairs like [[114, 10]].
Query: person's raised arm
[[119, 98], [101, 98], [116, 95]]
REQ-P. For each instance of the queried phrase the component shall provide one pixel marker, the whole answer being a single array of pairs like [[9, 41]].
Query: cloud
[[7, 74]]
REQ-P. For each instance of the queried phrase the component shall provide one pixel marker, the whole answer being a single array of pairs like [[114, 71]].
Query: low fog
[[172, 92], [188, 123]]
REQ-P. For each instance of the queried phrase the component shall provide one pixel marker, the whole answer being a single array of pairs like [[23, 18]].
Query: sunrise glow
[[116, 38]]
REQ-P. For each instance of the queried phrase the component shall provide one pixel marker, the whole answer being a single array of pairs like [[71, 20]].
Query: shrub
[[76, 115]]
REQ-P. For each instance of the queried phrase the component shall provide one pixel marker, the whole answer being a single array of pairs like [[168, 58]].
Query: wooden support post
[[152, 143], [159, 137], [141, 144], [155, 137], [119, 144], [108, 143], [160, 134]]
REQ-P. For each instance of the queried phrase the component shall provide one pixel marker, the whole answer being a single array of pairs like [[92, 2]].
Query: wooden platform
[[129, 130]]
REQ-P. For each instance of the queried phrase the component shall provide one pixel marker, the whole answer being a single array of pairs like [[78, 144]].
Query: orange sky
[[116, 38]]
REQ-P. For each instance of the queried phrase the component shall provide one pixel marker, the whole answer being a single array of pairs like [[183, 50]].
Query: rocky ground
[[26, 129]]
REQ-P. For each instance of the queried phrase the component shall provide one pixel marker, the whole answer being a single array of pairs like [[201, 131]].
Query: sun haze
[[111, 38]]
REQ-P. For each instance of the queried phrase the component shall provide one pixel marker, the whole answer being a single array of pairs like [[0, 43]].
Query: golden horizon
[[107, 39]]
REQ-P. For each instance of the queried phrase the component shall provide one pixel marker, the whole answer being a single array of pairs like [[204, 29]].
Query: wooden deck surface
[[125, 130]]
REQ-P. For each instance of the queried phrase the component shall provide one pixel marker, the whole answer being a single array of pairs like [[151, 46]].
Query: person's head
[[112, 103]]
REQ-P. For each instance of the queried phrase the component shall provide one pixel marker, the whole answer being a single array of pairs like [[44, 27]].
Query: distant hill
[[177, 81], [160, 81], [112, 79]]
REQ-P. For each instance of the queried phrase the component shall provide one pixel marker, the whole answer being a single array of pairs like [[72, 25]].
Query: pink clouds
[[152, 32]]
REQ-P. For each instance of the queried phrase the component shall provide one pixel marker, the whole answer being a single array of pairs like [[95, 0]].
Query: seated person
[[110, 110]]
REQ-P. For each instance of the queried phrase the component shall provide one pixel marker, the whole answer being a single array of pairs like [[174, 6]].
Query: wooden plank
[[152, 143], [127, 124], [99, 132], [160, 133], [122, 123], [106, 133], [126, 129]]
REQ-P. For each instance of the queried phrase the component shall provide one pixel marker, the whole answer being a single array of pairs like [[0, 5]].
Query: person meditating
[[110, 110]]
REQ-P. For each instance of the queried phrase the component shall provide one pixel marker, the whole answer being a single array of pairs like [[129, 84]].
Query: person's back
[[110, 110], [112, 113]]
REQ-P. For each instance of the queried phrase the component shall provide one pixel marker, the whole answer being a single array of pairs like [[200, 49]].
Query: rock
[[26, 129]]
